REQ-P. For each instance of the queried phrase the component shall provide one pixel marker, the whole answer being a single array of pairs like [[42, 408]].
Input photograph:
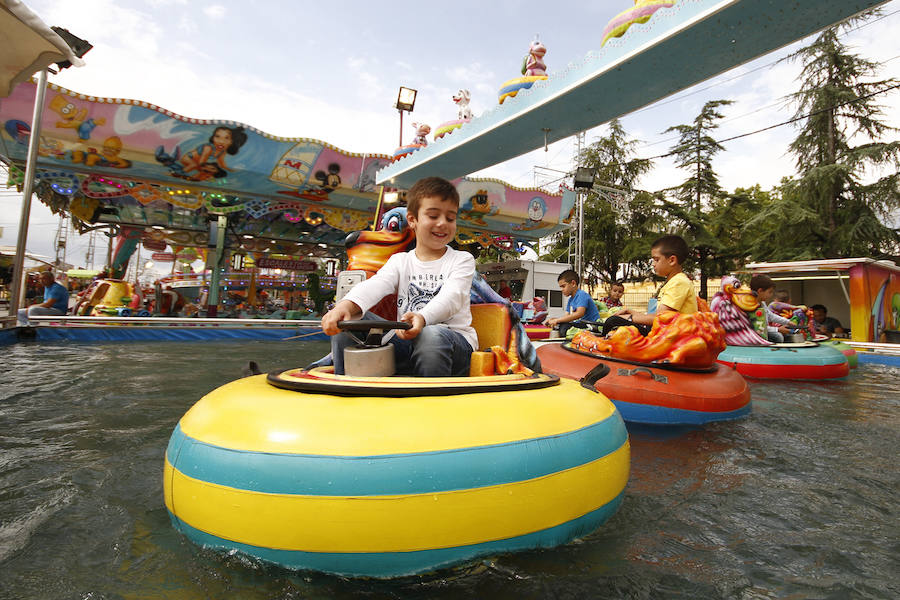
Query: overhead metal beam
[[677, 48]]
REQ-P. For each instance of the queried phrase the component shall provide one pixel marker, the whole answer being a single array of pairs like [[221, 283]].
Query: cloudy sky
[[331, 70]]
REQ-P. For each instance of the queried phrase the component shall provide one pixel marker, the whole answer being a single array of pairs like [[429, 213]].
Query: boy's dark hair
[[617, 284], [569, 275], [782, 295], [437, 187], [672, 245], [761, 281], [819, 307]]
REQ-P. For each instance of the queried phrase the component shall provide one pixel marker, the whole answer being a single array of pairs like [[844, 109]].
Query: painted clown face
[[536, 209]]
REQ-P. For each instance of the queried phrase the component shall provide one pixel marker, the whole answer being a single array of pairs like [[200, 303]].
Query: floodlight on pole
[[406, 100], [583, 181], [584, 178]]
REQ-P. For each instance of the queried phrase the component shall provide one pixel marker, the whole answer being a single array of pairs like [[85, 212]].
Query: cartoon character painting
[[206, 161], [476, 208], [331, 180], [72, 117], [108, 156], [537, 208]]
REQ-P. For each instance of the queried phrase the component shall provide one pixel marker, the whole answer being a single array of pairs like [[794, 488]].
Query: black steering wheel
[[373, 328]]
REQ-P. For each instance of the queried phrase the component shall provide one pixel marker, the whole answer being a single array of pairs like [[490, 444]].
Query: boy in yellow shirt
[[667, 253]]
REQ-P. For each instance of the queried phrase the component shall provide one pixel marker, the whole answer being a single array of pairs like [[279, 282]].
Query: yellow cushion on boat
[[492, 324]]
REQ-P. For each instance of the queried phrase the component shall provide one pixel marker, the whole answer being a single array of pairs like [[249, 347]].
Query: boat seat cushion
[[492, 323]]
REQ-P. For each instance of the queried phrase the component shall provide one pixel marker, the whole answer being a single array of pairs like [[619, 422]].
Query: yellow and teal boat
[[391, 476]]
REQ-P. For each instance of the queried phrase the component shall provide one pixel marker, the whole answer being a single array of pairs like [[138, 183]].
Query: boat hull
[[383, 486], [786, 361], [656, 395]]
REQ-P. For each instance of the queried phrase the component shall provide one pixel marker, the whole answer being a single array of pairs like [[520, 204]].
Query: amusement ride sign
[[286, 264]]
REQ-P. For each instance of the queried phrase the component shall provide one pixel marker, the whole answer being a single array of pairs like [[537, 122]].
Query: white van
[[529, 279]]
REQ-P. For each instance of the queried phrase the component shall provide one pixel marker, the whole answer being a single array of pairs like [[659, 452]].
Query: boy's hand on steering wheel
[[342, 312], [418, 323]]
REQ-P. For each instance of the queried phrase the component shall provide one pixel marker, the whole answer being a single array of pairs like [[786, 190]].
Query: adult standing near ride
[[56, 300]]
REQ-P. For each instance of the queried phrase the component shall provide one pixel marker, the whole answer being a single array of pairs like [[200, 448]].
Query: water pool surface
[[799, 500]]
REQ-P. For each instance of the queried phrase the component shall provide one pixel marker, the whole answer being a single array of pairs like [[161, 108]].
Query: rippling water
[[800, 500]]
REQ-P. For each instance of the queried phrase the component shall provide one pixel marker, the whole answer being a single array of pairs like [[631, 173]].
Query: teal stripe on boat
[[415, 473], [396, 564]]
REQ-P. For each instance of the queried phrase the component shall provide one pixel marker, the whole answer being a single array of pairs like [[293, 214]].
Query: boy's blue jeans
[[437, 351]]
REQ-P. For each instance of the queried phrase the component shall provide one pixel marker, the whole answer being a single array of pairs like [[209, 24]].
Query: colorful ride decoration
[[464, 114], [170, 302], [110, 297], [655, 394], [691, 341], [418, 142], [639, 13], [533, 69], [288, 194], [386, 477], [534, 324], [754, 356], [740, 314], [118, 161], [800, 315]]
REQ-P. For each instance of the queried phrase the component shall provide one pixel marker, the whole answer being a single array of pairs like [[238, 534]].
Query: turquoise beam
[[677, 48]]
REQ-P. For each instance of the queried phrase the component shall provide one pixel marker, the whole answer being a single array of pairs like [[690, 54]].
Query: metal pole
[[212, 302], [401, 128], [17, 293], [109, 245], [580, 242]]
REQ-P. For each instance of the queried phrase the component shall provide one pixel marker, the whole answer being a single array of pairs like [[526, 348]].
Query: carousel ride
[[179, 186]]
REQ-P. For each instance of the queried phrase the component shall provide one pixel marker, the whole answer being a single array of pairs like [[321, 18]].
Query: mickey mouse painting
[[329, 181]]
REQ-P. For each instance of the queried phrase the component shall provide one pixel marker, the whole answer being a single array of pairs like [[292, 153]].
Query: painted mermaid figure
[[207, 160]]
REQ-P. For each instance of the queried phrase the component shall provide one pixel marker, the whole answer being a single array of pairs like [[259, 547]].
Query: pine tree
[[701, 192], [829, 209]]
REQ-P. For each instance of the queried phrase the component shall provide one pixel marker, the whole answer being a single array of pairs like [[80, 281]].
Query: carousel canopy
[[130, 163], [679, 46], [28, 44]]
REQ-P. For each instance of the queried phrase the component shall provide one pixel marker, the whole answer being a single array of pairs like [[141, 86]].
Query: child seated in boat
[[432, 283], [668, 254], [776, 326], [613, 300], [579, 307]]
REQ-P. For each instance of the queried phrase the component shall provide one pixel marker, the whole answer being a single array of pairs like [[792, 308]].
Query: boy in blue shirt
[[580, 306]]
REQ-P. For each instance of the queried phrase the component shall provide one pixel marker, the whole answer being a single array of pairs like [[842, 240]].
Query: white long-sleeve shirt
[[438, 289]]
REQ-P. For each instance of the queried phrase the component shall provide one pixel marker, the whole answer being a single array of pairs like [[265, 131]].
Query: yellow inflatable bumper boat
[[391, 476]]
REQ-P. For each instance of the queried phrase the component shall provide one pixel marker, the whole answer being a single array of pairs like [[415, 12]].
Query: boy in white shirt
[[432, 283]]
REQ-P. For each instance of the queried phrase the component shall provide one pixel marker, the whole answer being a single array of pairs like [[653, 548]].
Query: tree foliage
[[610, 229], [699, 204], [847, 187]]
